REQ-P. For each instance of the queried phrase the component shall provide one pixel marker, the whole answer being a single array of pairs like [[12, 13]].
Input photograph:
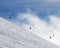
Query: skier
[[51, 35], [10, 17], [31, 27]]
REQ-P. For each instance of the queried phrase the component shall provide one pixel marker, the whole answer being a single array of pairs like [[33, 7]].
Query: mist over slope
[[12, 36]]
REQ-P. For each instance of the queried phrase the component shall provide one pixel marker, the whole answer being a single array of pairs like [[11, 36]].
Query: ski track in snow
[[12, 36]]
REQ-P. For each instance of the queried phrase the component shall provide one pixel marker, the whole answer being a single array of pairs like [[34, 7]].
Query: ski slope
[[12, 36]]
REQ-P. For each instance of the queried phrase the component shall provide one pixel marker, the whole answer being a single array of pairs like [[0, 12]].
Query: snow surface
[[12, 36]]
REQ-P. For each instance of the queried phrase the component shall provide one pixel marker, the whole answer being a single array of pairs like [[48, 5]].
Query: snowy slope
[[12, 36]]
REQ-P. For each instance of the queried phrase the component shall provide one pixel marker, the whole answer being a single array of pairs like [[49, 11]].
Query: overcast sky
[[43, 16]]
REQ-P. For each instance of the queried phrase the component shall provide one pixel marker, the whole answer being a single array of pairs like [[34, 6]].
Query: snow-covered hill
[[12, 36]]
